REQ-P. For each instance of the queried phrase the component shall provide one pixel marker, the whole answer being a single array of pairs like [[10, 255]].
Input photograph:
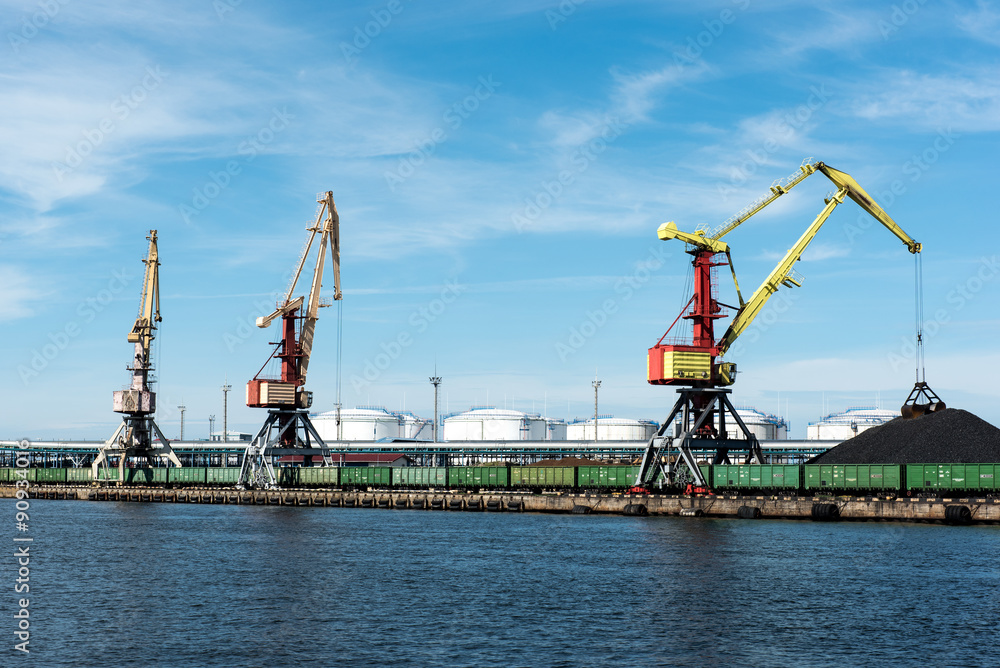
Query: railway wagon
[[54, 475], [611, 477], [222, 475], [188, 475], [419, 477], [318, 476], [5, 474], [146, 476], [756, 476], [479, 477], [543, 477], [853, 477], [107, 474], [366, 476], [85, 474], [952, 477]]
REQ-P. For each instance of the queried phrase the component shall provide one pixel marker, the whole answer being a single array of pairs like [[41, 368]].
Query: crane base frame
[[697, 406], [133, 438], [256, 471]]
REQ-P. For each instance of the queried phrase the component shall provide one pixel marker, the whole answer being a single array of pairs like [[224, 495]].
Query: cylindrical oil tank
[[364, 423], [848, 424], [764, 426], [413, 427], [555, 429], [610, 428], [492, 424]]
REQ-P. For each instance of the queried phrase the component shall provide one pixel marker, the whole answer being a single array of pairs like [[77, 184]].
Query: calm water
[[193, 585]]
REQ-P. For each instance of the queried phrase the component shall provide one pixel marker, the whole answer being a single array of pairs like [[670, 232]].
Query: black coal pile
[[949, 436]]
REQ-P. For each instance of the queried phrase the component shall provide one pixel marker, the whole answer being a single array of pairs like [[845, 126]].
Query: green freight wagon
[[543, 477], [479, 477], [146, 476], [853, 477], [287, 476], [366, 476], [50, 475], [85, 474], [752, 477], [610, 477], [188, 475], [107, 474], [5, 474], [222, 475], [952, 477], [319, 476], [419, 477]]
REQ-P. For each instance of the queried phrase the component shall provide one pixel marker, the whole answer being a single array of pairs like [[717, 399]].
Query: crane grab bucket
[[922, 400]]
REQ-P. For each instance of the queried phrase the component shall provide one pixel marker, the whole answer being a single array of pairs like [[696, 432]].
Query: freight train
[[801, 479]]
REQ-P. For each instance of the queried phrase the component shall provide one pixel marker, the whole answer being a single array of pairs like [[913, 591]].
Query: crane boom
[[780, 275]]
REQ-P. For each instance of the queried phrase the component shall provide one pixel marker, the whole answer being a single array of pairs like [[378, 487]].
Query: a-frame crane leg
[[133, 438], [281, 431], [669, 461]]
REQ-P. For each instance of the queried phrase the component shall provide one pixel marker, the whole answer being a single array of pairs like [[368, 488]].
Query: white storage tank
[[764, 426], [555, 429], [610, 428], [850, 423], [364, 423], [415, 428], [488, 423]]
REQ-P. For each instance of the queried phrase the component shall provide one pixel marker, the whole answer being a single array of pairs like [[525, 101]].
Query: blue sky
[[500, 169]]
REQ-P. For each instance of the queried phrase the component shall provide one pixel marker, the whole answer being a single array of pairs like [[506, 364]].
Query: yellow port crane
[[697, 364], [137, 404]]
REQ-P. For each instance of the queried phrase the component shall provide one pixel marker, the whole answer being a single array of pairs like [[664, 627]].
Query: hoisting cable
[[918, 295], [340, 354], [922, 398]]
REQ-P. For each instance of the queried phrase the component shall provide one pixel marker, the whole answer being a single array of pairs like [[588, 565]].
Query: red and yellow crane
[[284, 395], [696, 364]]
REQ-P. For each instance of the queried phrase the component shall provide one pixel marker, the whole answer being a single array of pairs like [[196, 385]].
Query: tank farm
[[933, 463]]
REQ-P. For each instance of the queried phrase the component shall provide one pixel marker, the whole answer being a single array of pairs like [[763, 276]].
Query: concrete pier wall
[[980, 510]]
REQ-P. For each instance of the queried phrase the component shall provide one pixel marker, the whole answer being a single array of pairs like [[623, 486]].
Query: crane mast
[[695, 365], [137, 404], [288, 426]]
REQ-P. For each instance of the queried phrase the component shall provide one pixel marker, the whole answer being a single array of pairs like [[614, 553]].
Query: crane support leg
[[133, 438], [669, 460], [282, 430]]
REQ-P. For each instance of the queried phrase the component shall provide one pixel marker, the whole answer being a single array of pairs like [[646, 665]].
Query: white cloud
[[966, 101], [18, 295]]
